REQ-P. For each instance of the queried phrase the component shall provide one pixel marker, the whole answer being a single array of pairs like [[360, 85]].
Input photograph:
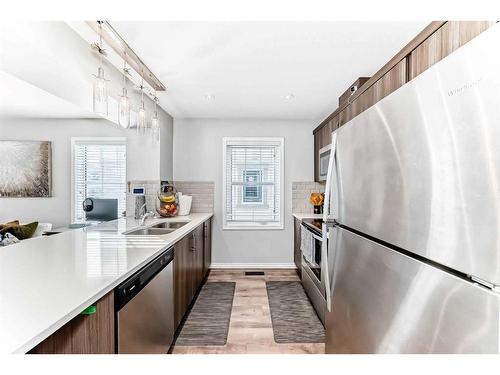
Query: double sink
[[158, 229]]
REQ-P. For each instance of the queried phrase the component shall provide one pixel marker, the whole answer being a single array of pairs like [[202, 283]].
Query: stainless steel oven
[[323, 159], [314, 265]]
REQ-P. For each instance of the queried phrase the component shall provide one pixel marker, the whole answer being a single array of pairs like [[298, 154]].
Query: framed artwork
[[25, 169]]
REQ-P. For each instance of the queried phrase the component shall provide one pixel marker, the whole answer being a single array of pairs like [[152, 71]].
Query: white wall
[[198, 157], [54, 58], [143, 161]]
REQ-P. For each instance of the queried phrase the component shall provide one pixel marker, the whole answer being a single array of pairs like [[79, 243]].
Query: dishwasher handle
[[130, 288]]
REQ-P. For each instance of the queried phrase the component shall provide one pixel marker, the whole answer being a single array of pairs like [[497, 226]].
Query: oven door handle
[[314, 234]]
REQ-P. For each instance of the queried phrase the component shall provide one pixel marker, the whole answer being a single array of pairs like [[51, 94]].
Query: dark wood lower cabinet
[[182, 288], [85, 334], [197, 253], [207, 246], [189, 270], [297, 253]]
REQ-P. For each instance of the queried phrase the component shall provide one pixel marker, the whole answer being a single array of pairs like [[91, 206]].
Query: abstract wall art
[[25, 169]]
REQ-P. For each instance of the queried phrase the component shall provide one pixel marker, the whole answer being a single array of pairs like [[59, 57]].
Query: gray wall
[[143, 161], [198, 157]]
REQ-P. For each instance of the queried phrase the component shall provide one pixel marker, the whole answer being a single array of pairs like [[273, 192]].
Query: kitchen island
[[47, 281]]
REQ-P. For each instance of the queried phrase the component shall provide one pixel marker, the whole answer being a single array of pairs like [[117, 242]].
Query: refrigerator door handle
[[329, 251], [330, 213]]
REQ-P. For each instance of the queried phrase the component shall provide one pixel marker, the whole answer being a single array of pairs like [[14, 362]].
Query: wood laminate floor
[[250, 328]]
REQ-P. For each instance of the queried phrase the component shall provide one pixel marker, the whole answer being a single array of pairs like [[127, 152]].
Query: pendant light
[[155, 121], [100, 90], [124, 102], [141, 113]]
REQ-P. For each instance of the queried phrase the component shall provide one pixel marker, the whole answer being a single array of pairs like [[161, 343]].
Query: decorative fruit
[[166, 198], [316, 199], [167, 203]]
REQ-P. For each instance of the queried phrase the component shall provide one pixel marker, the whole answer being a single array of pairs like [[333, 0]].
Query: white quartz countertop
[[302, 215], [47, 281]]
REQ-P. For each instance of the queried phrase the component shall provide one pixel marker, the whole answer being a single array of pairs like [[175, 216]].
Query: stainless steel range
[[314, 263]]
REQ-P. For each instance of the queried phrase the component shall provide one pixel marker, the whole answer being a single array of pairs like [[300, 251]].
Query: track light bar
[[115, 41]]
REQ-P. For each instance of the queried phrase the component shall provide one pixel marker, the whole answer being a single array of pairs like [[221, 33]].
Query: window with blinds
[[253, 183], [99, 171]]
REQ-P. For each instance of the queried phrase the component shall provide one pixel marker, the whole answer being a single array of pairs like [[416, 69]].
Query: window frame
[[96, 140], [280, 141]]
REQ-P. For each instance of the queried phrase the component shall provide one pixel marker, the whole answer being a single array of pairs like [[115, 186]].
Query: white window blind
[[99, 171], [253, 174]]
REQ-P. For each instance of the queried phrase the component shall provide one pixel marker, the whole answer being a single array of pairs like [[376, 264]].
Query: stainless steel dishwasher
[[144, 308]]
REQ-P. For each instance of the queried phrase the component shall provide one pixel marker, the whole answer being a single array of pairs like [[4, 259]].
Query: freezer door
[[386, 302], [421, 168]]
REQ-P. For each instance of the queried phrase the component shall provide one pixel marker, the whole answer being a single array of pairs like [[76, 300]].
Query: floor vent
[[254, 273]]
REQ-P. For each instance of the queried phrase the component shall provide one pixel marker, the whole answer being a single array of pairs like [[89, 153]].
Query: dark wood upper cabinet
[[345, 115], [449, 37], [390, 81], [322, 138], [436, 41]]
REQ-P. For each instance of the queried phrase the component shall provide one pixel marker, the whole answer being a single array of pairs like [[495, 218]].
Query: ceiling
[[20, 99], [247, 69]]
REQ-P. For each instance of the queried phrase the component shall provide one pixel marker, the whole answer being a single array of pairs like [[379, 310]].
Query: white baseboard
[[253, 266]]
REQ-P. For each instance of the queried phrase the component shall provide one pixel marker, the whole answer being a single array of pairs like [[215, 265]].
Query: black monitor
[[100, 209]]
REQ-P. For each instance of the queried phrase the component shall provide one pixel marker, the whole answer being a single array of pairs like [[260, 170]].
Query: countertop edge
[[306, 215], [78, 309]]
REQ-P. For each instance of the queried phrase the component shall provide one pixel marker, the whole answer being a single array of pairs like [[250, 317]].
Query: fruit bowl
[[167, 205]]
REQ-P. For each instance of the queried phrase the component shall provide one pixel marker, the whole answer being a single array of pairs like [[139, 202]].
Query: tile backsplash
[[300, 195], [151, 188], [202, 193]]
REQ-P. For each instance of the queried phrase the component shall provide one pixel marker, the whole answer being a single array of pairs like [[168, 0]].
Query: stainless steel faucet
[[145, 215]]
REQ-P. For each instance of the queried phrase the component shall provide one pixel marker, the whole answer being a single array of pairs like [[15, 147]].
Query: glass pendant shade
[[100, 93], [155, 125], [124, 110], [141, 120]]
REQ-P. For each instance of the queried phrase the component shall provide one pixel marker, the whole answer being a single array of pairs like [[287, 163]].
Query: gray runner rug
[[208, 320], [294, 318]]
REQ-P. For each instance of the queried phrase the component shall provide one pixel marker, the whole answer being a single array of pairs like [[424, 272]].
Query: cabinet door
[[197, 252], [333, 124], [390, 81], [85, 334], [297, 253], [449, 37], [364, 101], [207, 246], [182, 284], [344, 115], [317, 142]]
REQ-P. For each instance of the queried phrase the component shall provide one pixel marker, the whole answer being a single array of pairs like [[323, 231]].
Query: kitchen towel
[[306, 244]]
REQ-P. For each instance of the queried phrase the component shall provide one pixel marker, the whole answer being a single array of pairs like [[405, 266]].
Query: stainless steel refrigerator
[[413, 218]]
